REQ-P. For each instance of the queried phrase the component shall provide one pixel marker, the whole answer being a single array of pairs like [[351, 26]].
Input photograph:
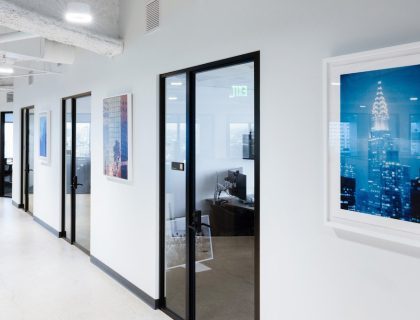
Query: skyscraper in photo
[[379, 144], [395, 190], [388, 180]]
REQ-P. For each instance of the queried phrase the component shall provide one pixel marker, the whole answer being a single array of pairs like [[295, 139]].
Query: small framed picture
[[372, 108], [44, 137], [117, 135]]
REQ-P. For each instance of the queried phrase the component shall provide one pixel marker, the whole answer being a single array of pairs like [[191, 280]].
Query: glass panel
[[31, 154], [24, 160], [175, 179], [67, 174], [8, 154], [83, 168], [224, 193]]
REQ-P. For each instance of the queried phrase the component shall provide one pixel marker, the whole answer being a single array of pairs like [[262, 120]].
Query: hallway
[[45, 278]]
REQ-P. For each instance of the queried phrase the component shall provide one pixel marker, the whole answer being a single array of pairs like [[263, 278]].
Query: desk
[[230, 217]]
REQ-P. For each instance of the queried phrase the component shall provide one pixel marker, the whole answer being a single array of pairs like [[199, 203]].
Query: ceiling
[[43, 21], [105, 13]]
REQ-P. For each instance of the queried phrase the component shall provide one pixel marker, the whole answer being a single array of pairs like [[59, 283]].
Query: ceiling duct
[[39, 49]]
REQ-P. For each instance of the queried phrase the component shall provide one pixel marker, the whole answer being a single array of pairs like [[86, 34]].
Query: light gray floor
[[45, 278], [225, 289]]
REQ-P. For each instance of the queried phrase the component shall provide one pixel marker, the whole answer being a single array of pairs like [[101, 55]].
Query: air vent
[[152, 15], [30, 78], [9, 97]]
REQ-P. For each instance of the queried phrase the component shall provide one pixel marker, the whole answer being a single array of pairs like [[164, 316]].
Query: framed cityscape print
[[117, 135], [372, 108], [44, 137]]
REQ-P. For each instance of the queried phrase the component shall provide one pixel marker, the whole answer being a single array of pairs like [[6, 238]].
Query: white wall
[[307, 271]]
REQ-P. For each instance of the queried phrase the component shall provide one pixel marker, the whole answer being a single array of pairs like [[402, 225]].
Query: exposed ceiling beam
[[20, 19]]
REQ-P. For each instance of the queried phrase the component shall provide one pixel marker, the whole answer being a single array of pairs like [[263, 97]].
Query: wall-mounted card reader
[[178, 166]]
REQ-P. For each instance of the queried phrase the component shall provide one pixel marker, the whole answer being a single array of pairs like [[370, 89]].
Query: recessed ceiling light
[[6, 70], [78, 12], [176, 83], [172, 98], [335, 83], [414, 98]]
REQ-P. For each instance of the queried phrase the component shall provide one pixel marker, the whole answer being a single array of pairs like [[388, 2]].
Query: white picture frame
[[394, 230], [118, 174], [44, 137]]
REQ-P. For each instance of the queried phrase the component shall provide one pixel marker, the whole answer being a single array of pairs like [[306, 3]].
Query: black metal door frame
[[73, 180], [2, 155], [190, 179], [25, 168]]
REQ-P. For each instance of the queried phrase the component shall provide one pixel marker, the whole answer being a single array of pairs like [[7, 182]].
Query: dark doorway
[[6, 154]]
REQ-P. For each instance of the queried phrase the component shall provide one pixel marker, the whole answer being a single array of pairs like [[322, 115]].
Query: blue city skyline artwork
[[380, 143], [43, 136]]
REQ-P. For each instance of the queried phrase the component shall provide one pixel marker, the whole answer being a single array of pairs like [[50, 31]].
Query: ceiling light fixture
[[6, 70], [176, 83], [173, 98], [335, 83], [78, 12]]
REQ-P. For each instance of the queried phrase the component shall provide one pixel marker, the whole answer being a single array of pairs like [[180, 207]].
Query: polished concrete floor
[[45, 278], [82, 219]]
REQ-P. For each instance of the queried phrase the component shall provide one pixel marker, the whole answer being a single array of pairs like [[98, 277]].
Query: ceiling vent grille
[[9, 97], [152, 15]]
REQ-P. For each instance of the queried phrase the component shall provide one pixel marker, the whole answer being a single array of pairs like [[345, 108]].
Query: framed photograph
[[117, 134], [372, 108], [44, 137]]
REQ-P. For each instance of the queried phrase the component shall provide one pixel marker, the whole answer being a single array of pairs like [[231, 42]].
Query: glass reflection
[[175, 209]]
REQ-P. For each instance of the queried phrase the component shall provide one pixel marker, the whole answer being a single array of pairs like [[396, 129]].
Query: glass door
[[67, 168], [6, 154], [209, 191], [175, 194], [224, 193], [28, 118], [77, 170], [81, 179]]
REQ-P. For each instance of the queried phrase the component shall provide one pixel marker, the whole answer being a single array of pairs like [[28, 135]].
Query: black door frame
[[2, 159], [24, 165], [190, 178], [63, 232]]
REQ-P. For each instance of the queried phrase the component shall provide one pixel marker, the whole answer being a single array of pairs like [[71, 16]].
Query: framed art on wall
[[117, 134], [44, 137], [372, 107]]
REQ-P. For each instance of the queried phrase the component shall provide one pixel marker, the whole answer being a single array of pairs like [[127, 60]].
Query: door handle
[[197, 223], [75, 183]]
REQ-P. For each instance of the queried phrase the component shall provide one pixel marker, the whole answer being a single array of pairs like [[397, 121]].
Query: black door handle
[[75, 183], [197, 223]]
